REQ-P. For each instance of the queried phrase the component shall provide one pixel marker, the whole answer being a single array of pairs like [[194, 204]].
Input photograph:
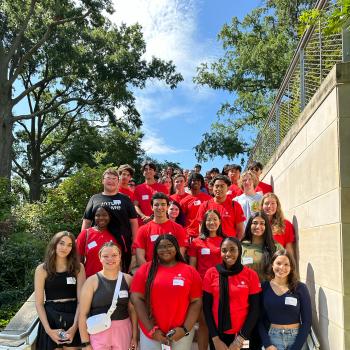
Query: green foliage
[[64, 205], [7, 199], [258, 50], [69, 62], [336, 20], [19, 255]]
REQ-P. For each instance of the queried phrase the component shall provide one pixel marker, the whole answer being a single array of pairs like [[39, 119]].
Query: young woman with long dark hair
[[286, 314], [204, 253], [57, 285]]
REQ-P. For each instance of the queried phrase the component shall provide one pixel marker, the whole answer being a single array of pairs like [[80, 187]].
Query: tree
[[66, 57], [336, 20], [258, 50]]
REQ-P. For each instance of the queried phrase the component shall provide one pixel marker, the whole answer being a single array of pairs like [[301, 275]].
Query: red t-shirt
[[172, 291], [230, 211], [288, 236], [234, 191], [241, 286], [91, 247], [264, 188], [143, 195], [207, 251], [190, 205], [178, 197], [148, 233], [127, 192]]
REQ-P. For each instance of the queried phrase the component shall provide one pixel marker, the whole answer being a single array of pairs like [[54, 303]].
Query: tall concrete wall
[[310, 172]]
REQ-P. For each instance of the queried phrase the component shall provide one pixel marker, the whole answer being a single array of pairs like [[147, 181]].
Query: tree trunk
[[6, 138]]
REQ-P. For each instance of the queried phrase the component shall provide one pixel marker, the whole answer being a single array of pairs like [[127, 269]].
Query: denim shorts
[[283, 339]]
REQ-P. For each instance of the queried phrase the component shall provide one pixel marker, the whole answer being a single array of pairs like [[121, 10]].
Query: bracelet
[[85, 344], [152, 331]]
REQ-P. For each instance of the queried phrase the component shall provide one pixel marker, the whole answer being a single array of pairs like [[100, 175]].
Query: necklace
[[279, 289]]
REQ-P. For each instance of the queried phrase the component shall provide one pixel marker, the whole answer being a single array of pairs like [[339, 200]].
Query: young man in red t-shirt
[[148, 233], [126, 172], [144, 192], [232, 216], [190, 204], [263, 187], [234, 173], [179, 185]]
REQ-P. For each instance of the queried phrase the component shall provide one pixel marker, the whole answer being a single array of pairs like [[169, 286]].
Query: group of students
[[228, 264]]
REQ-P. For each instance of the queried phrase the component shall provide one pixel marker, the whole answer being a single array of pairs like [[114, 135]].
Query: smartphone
[[170, 333]]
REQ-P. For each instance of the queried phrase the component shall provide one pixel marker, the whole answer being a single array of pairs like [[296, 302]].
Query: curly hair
[[73, 264]]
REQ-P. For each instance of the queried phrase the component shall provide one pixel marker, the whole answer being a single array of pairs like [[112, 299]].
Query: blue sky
[[185, 32]]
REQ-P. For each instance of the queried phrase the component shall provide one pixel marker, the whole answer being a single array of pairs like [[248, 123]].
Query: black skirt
[[60, 316]]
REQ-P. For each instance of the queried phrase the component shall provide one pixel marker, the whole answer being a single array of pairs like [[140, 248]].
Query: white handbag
[[101, 322]]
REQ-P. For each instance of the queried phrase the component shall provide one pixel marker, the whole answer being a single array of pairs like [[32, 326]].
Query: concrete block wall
[[310, 172]]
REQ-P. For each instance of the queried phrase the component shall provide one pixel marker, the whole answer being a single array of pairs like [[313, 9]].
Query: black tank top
[[62, 285], [103, 296]]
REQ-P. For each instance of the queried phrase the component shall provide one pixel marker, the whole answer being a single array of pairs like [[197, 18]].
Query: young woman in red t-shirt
[[282, 229], [90, 241], [204, 252], [175, 213], [166, 293], [230, 298]]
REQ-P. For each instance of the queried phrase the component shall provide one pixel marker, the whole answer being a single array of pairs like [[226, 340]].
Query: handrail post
[[302, 79], [346, 42], [278, 135], [320, 43]]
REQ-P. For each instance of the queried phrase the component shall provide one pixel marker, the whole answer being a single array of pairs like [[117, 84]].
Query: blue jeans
[[283, 339]]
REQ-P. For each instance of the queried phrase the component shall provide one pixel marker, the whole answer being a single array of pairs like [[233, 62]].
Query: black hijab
[[224, 322]]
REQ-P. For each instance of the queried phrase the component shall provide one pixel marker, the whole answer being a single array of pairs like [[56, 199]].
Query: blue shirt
[[288, 308]]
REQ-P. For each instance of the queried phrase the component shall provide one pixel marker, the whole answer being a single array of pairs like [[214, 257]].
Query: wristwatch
[[186, 331], [84, 345]]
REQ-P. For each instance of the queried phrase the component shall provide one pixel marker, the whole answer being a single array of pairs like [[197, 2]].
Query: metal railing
[[313, 59]]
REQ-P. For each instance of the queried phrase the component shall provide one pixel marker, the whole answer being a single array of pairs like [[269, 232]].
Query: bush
[[19, 256]]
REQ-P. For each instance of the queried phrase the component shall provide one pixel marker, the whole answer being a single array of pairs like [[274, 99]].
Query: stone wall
[[310, 172]]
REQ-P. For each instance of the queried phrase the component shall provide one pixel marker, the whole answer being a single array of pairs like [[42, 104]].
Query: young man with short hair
[[234, 173], [144, 192], [250, 199], [126, 172], [190, 204], [257, 168], [179, 185], [232, 216], [160, 224]]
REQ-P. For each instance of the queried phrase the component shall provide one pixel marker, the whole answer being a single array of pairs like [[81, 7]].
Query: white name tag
[[123, 294], [229, 192], [145, 197], [205, 251], [165, 347], [245, 344], [178, 282], [71, 280], [246, 260], [197, 202], [154, 237], [92, 244], [291, 301]]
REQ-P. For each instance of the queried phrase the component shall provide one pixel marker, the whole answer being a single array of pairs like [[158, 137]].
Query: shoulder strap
[[116, 294], [86, 242]]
